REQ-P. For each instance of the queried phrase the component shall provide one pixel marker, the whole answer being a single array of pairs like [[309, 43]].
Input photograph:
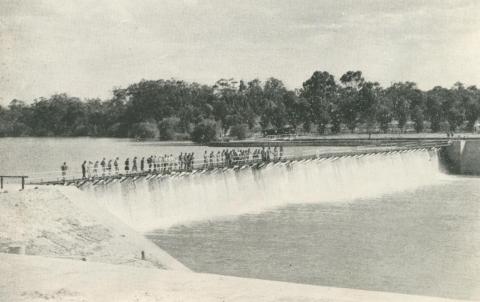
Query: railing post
[[23, 182], [1, 182]]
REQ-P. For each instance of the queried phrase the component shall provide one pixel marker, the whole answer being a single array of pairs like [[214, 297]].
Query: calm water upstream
[[424, 242], [42, 157]]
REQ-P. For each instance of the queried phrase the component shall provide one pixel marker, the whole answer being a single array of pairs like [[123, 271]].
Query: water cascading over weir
[[159, 202]]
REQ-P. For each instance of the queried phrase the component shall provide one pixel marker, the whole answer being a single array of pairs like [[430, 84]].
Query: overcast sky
[[86, 48]]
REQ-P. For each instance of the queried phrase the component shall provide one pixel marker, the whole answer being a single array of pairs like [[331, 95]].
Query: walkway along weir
[[147, 202], [199, 166]]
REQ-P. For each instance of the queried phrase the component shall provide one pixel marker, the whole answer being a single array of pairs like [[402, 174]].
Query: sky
[[87, 48]]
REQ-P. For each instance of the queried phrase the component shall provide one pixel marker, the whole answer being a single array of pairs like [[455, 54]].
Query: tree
[[352, 82], [455, 117], [239, 131], [168, 128], [204, 132], [274, 113], [384, 117], [143, 130], [319, 91], [471, 102], [368, 104], [433, 109], [293, 109], [401, 112], [336, 118], [404, 96], [304, 114], [418, 118], [452, 107], [16, 119], [171, 108]]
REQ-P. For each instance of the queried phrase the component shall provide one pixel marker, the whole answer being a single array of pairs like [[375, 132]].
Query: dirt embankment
[[52, 222]]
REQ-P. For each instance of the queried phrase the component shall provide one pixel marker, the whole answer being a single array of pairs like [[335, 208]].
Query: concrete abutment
[[462, 157]]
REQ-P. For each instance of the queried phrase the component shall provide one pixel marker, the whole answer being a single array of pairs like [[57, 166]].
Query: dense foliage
[[172, 109]]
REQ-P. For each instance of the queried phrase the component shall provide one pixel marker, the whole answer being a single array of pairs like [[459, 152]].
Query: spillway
[[163, 201]]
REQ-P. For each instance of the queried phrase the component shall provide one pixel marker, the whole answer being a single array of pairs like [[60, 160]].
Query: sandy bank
[[60, 222], [33, 278]]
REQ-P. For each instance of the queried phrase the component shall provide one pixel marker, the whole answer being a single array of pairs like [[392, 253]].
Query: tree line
[[174, 109]]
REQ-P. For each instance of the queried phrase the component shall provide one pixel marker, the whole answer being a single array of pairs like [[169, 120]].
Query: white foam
[[160, 203]]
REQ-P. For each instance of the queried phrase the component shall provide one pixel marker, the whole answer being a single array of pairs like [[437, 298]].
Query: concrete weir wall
[[463, 157]]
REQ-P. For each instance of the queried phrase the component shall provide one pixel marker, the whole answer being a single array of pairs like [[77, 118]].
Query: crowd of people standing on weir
[[232, 158], [168, 163]]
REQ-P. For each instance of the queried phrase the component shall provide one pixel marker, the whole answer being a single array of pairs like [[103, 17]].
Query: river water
[[41, 158], [390, 223], [424, 242]]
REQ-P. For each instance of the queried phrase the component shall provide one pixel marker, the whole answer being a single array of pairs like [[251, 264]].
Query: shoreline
[[28, 278]]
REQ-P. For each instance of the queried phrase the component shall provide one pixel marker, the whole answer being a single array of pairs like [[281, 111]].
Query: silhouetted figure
[[205, 160], [149, 163], [109, 167], [218, 159], [180, 161], [134, 164], [103, 164], [64, 169], [95, 169], [115, 165], [84, 169], [127, 165], [211, 159]]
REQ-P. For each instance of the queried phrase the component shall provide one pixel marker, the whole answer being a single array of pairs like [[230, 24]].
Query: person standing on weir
[[205, 160], [127, 166], [190, 160], [95, 169], [103, 164], [84, 169], [134, 165], [218, 159], [89, 169], [109, 167], [149, 163], [211, 160], [142, 164], [115, 165], [170, 163], [180, 161], [64, 169]]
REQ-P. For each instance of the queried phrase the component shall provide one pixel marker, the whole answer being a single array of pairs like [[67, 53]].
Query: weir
[[199, 166], [160, 201]]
